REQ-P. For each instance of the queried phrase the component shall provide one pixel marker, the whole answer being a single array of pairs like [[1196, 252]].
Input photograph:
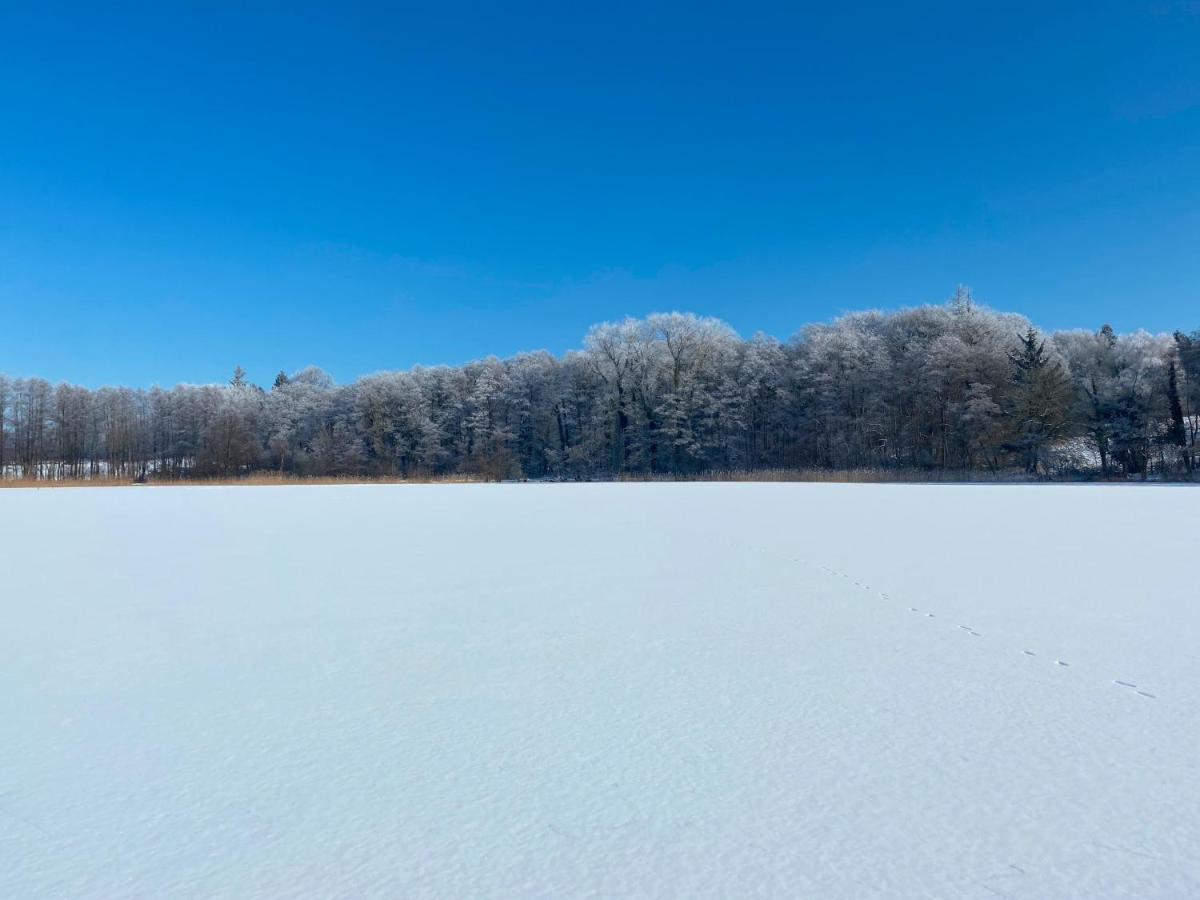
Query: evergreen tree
[[1041, 392], [1176, 432]]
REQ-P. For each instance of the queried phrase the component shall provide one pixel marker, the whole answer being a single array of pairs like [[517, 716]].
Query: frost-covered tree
[[1187, 352], [949, 387]]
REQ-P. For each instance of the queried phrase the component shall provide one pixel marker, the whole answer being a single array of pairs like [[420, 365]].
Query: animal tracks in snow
[[883, 595], [1130, 684]]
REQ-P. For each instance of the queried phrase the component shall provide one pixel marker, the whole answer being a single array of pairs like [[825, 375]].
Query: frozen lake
[[600, 690]]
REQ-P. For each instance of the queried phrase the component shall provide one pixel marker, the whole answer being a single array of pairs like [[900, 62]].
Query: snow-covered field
[[603, 690]]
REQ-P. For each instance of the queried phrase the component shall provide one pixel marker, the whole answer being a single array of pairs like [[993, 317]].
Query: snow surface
[[600, 690]]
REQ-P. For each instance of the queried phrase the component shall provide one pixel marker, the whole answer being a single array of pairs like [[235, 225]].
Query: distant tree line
[[953, 388]]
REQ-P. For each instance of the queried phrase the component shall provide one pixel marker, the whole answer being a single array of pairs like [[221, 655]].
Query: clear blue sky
[[189, 186]]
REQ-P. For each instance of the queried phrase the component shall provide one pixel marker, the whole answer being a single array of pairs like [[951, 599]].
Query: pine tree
[[1188, 348], [1176, 432], [1041, 392]]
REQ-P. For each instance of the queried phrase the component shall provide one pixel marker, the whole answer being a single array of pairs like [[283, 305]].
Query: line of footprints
[[967, 628]]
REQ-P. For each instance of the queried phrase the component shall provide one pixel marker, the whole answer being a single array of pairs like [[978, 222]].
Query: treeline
[[940, 388]]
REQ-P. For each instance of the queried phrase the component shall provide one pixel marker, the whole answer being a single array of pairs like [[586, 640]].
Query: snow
[[600, 690]]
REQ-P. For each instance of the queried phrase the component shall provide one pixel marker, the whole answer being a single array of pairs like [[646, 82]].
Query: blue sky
[[185, 187]]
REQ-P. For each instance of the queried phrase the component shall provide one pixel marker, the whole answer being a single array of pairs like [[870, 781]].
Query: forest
[[948, 389]]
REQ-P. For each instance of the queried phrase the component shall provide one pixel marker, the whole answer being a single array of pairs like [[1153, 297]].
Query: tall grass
[[258, 479]]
